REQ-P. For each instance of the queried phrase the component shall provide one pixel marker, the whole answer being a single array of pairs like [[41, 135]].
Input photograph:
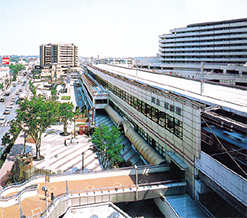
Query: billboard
[[5, 61]]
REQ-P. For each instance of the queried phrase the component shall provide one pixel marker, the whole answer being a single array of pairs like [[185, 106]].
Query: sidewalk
[[5, 171]]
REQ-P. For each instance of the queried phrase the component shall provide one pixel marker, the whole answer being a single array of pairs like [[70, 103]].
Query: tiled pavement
[[62, 158], [36, 204]]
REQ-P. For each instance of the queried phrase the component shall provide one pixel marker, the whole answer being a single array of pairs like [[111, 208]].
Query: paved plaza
[[60, 158]]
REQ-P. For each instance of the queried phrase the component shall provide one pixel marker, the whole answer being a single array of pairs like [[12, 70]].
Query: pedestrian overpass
[[51, 196]]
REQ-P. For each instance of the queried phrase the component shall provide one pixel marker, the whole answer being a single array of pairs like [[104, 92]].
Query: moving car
[[3, 121], [7, 111]]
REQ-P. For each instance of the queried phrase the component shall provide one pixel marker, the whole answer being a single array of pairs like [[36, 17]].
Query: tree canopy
[[66, 114], [16, 68], [106, 145], [37, 115]]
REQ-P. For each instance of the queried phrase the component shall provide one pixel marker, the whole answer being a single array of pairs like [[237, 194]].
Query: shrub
[[65, 97]]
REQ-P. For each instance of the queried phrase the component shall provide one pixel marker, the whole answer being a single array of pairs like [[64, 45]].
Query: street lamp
[[82, 163], [136, 169], [46, 198]]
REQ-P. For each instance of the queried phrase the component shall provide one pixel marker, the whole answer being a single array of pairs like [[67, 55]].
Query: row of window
[[167, 106], [165, 120], [141, 132]]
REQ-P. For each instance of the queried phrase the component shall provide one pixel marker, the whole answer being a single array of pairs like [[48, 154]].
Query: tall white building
[[210, 42], [221, 46]]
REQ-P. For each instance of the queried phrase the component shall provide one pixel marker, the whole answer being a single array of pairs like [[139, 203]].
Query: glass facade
[[165, 120]]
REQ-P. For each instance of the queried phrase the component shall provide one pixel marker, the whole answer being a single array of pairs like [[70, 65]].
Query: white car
[[3, 121]]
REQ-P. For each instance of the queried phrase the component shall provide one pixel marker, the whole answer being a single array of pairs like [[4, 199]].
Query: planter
[[83, 120]]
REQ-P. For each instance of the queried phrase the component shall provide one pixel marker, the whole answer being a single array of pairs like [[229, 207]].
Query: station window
[[144, 108], [178, 128], [149, 111], [158, 102], [166, 105], [155, 114], [139, 105], [171, 108], [162, 119], [178, 111], [153, 99], [169, 123]]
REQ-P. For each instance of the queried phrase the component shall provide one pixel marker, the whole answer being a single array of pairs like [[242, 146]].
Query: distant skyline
[[108, 28]]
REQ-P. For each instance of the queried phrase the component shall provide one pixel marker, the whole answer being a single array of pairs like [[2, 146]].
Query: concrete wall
[[228, 180]]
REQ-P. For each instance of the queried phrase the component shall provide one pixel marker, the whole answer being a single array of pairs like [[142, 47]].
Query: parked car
[[13, 99], [20, 90], [3, 121], [2, 99], [7, 111], [7, 93]]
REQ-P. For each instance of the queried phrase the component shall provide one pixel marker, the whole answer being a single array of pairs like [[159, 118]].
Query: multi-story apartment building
[[211, 42], [63, 54], [221, 46]]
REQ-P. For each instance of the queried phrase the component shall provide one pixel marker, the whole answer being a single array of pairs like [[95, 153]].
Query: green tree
[[76, 115], [16, 68], [37, 114], [53, 94], [106, 145], [6, 139], [66, 114], [15, 128]]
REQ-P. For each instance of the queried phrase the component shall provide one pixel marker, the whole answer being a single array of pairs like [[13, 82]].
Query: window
[[178, 128], [148, 111], [178, 111], [171, 108], [124, 96], [155, 113], [169, 123], [158, 102], [139, 105], [153, 99], [144, 108], [166, 105], [162, 119]]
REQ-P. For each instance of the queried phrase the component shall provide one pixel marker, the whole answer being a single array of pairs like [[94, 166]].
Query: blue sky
[[106, 28]]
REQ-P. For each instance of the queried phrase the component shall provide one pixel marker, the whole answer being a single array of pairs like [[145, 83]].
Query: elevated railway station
[[170, 114]]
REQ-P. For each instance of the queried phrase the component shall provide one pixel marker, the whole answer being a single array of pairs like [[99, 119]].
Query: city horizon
[[108, 29]]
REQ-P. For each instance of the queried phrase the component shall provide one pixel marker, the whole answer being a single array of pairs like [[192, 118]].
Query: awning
[[114, 115], [148, 153]]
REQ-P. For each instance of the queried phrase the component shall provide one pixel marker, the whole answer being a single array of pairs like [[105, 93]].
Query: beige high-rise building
[[63, 54]]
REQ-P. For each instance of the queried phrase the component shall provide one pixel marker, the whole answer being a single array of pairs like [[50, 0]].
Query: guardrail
[[20, 188], [111, 194]]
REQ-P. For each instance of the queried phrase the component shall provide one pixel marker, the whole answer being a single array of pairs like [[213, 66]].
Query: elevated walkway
[[117, 185]]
